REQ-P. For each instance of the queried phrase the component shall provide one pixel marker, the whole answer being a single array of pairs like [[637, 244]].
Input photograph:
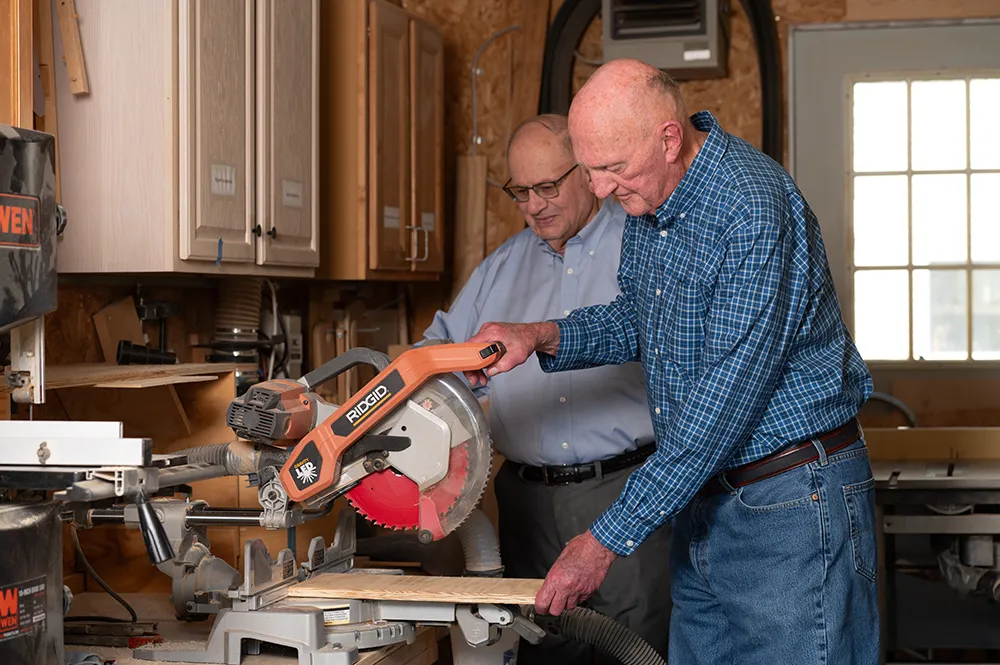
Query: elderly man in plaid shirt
[[753, 384]]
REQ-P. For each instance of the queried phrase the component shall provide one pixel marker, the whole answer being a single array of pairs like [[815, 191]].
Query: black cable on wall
[[575, 16]]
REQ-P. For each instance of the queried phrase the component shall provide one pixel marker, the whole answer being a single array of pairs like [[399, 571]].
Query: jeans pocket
[[860, 500], [791, 489]]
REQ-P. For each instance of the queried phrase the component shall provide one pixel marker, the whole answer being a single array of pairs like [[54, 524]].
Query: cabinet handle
[[427, 244], [273, 232], [257, 230]]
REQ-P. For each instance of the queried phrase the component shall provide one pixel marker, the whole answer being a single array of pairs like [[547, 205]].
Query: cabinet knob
[[273, 232], [257, 230]]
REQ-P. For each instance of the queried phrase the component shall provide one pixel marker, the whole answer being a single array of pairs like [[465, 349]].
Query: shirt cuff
[[618, 531], [571, 344]]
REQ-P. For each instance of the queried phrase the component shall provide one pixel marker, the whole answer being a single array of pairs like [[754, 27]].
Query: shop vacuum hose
[[589, 627]]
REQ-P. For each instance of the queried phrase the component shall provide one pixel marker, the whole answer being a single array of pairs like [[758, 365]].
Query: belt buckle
[[551, 481]]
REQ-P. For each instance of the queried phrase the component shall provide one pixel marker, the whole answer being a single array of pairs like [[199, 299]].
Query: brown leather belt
[[786, 459]]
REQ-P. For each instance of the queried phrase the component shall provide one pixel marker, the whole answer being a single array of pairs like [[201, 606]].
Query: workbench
[[157, 608]]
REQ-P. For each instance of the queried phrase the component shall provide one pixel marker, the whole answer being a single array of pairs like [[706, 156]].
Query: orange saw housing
[[315, 463]]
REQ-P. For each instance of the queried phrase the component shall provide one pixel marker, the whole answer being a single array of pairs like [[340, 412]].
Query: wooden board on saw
[[420, 588]]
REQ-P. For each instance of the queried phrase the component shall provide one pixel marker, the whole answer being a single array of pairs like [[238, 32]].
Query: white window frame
[[968, 266]]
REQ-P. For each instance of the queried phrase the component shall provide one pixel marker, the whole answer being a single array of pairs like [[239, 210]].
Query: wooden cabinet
[[196, 148], [382, 138]]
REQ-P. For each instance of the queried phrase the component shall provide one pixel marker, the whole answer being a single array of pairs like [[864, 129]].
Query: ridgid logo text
[[370, 401]]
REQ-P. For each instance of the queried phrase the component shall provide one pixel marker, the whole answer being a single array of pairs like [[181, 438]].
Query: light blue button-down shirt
[[554, 418]]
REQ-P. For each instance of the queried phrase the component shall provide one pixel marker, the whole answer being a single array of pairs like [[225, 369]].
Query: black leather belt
[[577, 473], [786, 459]]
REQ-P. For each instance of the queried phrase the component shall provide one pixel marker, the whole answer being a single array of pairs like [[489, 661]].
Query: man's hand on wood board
[[520, 339], [575, 576]]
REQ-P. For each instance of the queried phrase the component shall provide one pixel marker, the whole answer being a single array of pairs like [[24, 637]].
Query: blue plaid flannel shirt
[[728, 302]]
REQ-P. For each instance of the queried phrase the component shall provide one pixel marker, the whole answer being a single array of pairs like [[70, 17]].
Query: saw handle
[[332, 368]]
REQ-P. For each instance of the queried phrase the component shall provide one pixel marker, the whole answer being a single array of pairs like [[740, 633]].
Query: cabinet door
[[288, 131], [216, 155], [426, 147], [388, 148]]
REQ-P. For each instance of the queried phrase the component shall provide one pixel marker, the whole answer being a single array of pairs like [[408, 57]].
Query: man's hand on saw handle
[[520, 339]]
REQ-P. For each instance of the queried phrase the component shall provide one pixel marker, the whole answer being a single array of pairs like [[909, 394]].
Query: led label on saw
[[305, 470], [376, 398]]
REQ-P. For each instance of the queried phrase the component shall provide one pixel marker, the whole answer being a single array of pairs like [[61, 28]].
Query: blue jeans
[[780, 572]]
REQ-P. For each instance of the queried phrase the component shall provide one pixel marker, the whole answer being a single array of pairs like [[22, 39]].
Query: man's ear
[[672, 139]]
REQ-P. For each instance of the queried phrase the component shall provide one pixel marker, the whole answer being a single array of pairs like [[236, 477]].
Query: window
[[924, 209]]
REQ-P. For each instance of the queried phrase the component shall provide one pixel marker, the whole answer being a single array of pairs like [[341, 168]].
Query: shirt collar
[[701, 171], [591, 234]]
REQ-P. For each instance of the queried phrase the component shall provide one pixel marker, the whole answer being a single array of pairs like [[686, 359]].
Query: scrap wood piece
[[420, 588], [156, 381], [73, 47], [116, 322]]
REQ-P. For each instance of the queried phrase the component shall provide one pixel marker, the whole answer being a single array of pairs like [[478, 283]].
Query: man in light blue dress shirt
[[570, 439]]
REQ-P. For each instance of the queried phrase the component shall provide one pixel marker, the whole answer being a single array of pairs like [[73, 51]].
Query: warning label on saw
[[375, 399], [22, 608]]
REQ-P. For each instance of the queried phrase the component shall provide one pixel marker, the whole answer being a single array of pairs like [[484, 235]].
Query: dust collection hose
[[482, 558], [589, 627], [238, 457], [480, 546]]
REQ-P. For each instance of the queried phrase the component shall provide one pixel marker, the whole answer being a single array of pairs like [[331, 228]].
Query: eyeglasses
[[546, 190]]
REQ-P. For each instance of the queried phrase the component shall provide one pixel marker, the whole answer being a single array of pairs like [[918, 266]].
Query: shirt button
[[565, 445], [657, 410], [683, 215], [662, 513], [565, 312], [663, 234], [591, 252], [629, 543], [656, 351], [562, 399], [657, 292], [569, 271]]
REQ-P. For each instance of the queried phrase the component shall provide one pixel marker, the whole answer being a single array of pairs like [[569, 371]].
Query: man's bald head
[[629, 126], [555, 124]]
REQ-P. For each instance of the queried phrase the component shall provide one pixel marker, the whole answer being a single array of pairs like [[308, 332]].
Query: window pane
[[880, 126], [940, 322], [984, 103], [882, 314], [938, 132], [880, 219], [986, 314], [986, 217], [940, 219]]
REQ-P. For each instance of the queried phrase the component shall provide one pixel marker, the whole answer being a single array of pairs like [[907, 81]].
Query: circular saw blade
[[392, 500]]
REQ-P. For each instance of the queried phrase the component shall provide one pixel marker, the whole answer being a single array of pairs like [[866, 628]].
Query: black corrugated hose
[[589, 627]]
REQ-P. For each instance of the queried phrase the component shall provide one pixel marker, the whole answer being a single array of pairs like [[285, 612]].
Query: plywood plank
[[418, 588], [157, 381], [90, 374]]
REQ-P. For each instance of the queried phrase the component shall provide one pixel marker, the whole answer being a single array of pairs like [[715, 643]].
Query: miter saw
[[411, 450]]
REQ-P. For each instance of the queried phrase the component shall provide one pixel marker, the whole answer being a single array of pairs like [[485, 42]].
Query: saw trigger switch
[[492, 349]]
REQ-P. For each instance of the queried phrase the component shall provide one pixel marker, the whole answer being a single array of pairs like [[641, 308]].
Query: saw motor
[[411, 450]]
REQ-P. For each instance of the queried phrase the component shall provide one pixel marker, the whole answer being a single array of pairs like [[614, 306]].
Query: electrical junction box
[[686, 38]]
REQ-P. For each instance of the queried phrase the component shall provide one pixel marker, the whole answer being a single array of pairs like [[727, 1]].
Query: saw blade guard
[[393, 500]]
